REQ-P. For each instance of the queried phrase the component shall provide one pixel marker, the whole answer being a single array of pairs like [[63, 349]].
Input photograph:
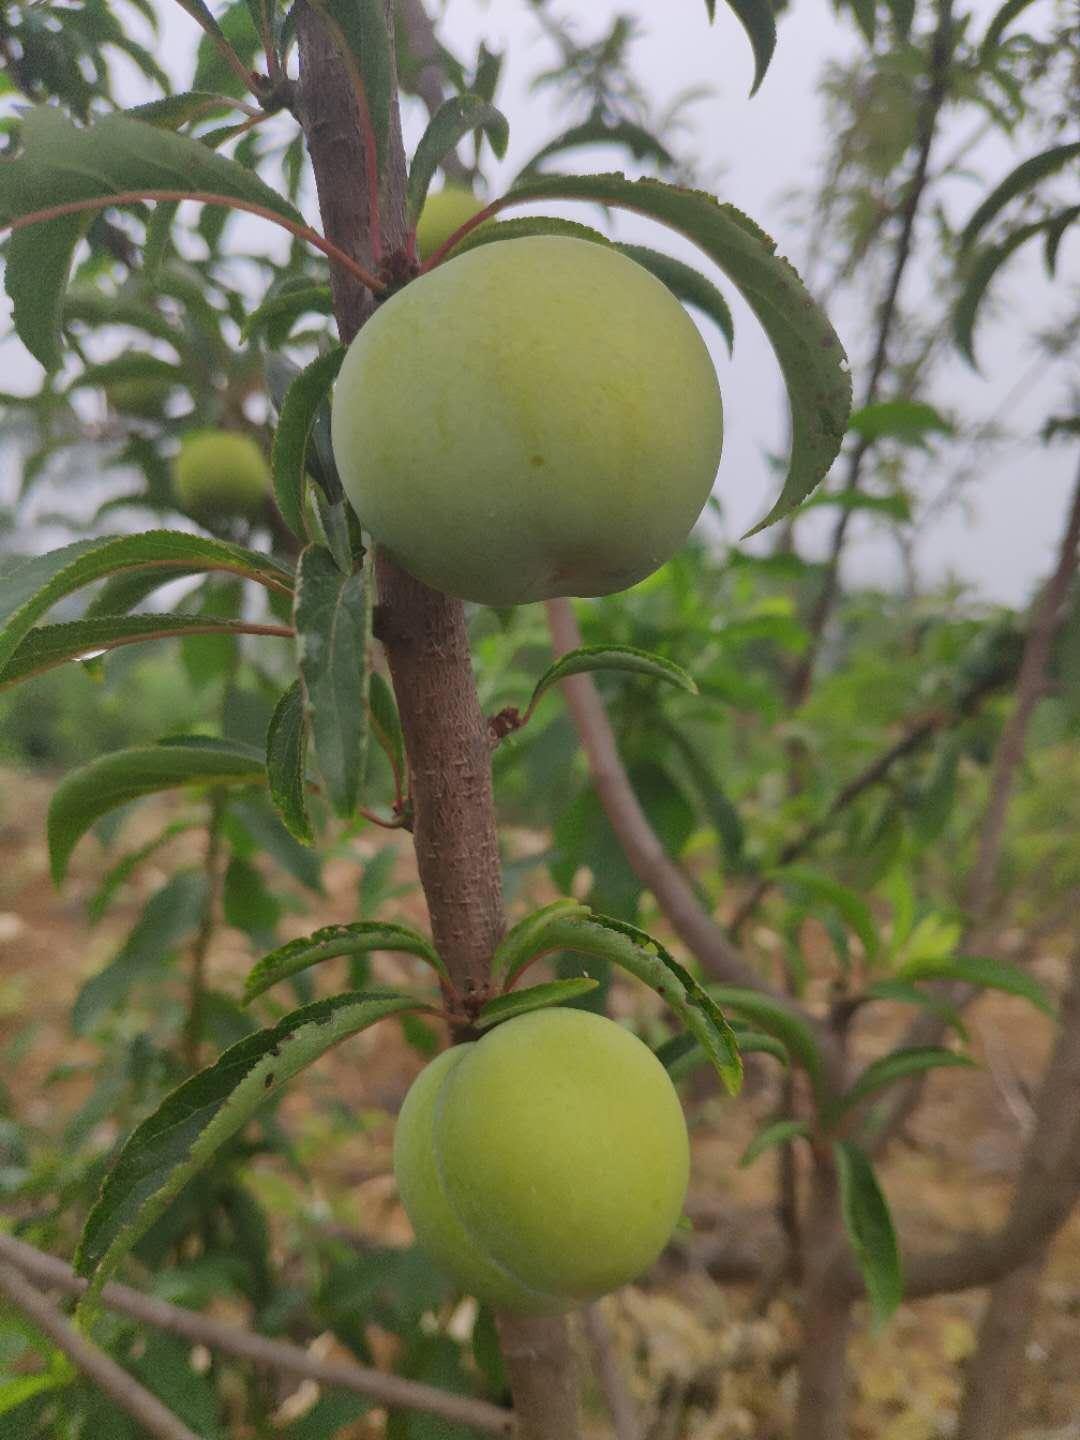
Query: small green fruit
[[444, 212], [545, 1164], [533, 418], [218, 473], [144, 396]]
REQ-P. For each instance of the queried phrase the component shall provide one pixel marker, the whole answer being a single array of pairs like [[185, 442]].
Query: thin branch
[[640, 844], [388, 1390], [217, 37], [609, 1373], [201, 197], [121, 1388], [941, 52]]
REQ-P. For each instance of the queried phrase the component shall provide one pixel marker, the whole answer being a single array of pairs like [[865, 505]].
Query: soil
[[723, 1356]]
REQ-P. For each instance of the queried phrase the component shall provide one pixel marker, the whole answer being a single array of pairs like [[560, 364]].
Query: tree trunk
[[826, 1319], [427, 648]]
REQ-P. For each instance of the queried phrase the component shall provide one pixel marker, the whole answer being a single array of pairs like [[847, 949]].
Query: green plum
[[141, 395], [444, 212], [218, 473], [536, 417], [545, 1164]]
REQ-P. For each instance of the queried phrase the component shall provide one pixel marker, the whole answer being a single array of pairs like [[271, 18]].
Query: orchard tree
[[514, 410]]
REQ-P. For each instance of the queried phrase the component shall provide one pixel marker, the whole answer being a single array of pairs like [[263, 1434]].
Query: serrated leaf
[[286, 763], [682, 1054], [331, 618], [362, 937], [983, 971], [527, 939], [870, 1230], [896, 507], [1027, 174], [192, 1124], [365, 47], [687, 285], [813, 885], [906, 420], [598, 131], [758, 20], [30, 587], [536, 997], [610, 657], [170, 917], [60, 164], [183, 108], [643, 955], [278, 311], [523, 226], [775, 1019], [897, 1066], [769, 1136], [125, 775], [453, 120], [807, 347], [386, 723], [50, 645], [299, 411]]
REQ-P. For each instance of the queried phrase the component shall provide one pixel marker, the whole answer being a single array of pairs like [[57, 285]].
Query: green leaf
[[808, 349], [278, 311], [778, 1133], [286, 763], [126, 775], [687, 285], [1023, 177], [536, 997], [812, 885], [983, 971], [897, 1066], [50, 645], [60, 164], [192, 1123], [870, 1229], [364, 40], [723, 815], [30, 587], [528, 938], [386, 723], [299, 412], [170, 917], [331, 618], [865, 12], [758, 20], [906, 420], [184, 108], [599, 131], [362, 937], [896, 507], [995, 31], [682, 1055], [453, 120], [776, 1019], [645, 957], [980, 268], [523, 226], [905, 993], [610, 657]]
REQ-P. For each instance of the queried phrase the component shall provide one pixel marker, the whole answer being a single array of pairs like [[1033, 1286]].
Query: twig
[[941, 51], [389, 1390], [609, 1372], [111, 1379]]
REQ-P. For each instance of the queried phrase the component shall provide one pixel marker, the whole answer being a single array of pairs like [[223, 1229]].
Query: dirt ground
[[721, 1351]]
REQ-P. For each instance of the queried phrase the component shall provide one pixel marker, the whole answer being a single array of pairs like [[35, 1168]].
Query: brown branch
[[388, 1390], [1049, 612], [609, 1373], [941, 53], [111, 1379], [426, 644]]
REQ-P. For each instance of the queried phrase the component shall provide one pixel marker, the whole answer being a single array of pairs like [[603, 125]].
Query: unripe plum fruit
[[536, 417], [218, 473], [545, 1164], [142, 395], [444, 212]]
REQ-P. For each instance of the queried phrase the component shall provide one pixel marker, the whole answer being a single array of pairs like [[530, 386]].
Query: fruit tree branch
[[426, 644], [388, 1390], [111, 1379]]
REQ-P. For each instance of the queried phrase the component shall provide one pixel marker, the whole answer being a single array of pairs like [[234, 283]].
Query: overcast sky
[[754, 152]]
